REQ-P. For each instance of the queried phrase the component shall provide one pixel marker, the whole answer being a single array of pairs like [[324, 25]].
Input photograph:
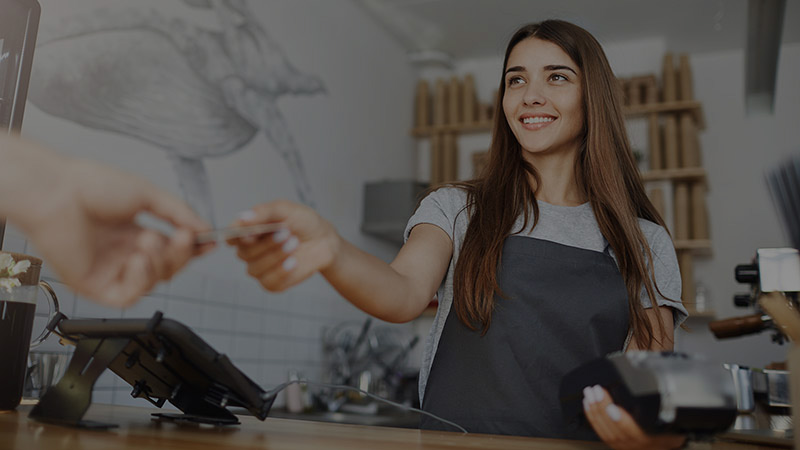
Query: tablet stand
[[160, 366], [67, 401]]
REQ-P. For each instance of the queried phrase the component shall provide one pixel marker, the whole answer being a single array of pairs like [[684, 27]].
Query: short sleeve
[[667, 274], [441, 208]]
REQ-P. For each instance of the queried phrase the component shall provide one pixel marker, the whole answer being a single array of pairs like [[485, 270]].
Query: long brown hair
[[605, 172]]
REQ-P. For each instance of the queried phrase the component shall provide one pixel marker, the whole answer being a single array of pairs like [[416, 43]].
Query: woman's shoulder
[[657, 236], [452, 196]]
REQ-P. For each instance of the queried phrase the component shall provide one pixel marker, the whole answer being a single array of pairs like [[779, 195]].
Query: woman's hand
[[283, 259], [617, 428]]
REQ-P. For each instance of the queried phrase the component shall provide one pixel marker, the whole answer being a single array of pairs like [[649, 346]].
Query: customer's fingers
[[179, 250], [152, 244]]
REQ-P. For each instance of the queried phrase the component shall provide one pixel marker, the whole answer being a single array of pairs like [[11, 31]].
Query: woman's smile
[[534, 122]]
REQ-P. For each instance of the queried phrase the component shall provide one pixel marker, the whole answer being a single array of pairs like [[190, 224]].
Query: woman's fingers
[[617, 428], [292, 270], [594, 401], [253, 249]]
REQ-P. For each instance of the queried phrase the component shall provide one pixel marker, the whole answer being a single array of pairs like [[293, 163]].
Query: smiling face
[[543, 101]]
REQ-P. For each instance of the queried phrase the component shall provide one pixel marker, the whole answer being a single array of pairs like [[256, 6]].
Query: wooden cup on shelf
[[440, 103], [682, 213], [468, 101], [656, 196], [668, 79], [422, 106], [671, 151], [449, 158], [454, 102], [699, 215], [650, 90], [690, 153], [634, 92], [685, 90], [654, 137]]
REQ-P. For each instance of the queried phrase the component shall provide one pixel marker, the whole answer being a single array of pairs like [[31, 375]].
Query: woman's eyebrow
[[515, 69], [559, 67]]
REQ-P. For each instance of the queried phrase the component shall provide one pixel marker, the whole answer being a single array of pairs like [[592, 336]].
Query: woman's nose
[[533, 95]]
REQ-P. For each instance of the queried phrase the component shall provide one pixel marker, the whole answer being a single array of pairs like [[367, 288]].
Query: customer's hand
[[283, 259], [617, 428], [85, 230]]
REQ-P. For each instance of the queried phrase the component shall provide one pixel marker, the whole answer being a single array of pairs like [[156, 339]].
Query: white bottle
[[294, 396]]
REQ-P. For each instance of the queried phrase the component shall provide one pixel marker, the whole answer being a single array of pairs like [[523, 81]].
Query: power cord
[[283, 386]]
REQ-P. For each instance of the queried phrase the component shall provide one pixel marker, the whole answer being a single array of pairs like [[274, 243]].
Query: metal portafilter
[[740, 326]]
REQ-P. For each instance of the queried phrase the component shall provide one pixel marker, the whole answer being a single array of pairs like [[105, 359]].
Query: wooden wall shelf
[[695, 245], [692, 106], [687, 173]]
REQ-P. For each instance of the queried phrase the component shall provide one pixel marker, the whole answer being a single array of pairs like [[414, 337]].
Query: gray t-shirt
[[575, 226]]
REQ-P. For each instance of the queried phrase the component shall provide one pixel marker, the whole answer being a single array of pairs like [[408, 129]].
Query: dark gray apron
[[565, 306]]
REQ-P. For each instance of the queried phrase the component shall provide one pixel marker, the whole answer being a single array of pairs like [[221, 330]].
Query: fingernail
[[281, 235], [290, 245], [289, 263], [586, 404], [614, 412], [247, 215], [598, 393], [588, 395]]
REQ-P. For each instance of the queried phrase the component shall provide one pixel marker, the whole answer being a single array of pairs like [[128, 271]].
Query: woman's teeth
[[537, 119]]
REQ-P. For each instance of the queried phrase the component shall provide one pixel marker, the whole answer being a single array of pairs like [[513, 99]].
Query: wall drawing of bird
[[196, 78]]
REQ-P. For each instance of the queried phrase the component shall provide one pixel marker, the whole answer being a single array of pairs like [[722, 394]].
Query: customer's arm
[[81, 218]]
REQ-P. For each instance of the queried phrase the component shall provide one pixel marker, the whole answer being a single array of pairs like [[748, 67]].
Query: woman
[[546, 261]]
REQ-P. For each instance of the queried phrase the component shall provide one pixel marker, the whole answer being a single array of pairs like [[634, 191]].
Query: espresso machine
[[762, 395], [772, 270]]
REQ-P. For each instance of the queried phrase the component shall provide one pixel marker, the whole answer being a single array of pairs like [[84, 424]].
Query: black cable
[[283, 386]]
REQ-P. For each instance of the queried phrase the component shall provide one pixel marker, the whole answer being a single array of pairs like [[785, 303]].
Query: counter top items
[[162, 360], [664, 392]]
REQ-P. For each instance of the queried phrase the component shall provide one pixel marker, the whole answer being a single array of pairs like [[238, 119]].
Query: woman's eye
[[558, 77], [515, 80]]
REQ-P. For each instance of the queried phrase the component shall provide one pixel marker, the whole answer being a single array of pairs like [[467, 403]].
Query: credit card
[[222, 234]]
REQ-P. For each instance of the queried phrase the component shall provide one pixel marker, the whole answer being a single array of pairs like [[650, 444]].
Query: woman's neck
[[558, 184]]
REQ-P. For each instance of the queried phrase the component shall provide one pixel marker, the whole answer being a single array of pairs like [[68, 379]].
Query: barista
[[553, 257]]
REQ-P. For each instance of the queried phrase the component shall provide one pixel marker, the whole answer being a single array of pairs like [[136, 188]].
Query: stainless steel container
[[742, 382]]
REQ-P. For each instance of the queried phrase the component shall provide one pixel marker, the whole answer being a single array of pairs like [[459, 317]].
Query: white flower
[[19, 267], [9, 283], [6, 262]]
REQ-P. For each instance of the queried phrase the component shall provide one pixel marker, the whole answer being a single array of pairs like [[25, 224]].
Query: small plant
[[9, 269]]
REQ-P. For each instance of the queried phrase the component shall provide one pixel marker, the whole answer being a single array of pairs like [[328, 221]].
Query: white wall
[[736, 151], [356, 132]]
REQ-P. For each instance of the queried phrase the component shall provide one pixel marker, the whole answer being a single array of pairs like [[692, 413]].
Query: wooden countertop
[[138, 432]]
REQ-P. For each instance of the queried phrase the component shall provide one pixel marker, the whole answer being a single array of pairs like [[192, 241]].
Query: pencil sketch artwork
[[196, 78]]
